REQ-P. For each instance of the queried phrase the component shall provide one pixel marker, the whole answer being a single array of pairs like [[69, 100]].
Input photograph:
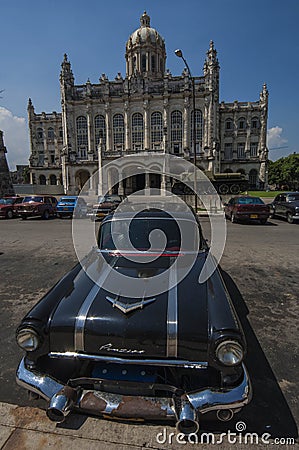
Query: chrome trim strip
[[151, 362], [85, 307], [147, 252], [172, 316], [128, 307]]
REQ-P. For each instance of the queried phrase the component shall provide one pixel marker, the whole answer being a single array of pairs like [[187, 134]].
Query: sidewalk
[[28, 428]]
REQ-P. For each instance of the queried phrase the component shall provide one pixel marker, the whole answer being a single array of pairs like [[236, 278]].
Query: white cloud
[[16, 139], [274, 138]]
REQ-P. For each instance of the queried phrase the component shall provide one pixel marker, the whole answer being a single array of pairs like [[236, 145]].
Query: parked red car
[[245, 208], [9, 206], [42, 206]]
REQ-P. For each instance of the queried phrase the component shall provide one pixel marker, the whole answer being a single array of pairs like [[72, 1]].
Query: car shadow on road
[[257, 224], [268, 411]]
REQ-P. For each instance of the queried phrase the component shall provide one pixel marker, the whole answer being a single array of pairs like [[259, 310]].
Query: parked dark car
[[9, 206], [286, 205], [43, 206], [105, 205], [246, 208], [172, 356], [68, 204]]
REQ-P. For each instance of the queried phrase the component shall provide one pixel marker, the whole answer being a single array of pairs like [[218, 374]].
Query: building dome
[[145, 51]]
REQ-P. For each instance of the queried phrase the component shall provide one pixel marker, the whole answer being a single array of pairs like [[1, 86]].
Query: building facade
[[6, 187], [148, 110]]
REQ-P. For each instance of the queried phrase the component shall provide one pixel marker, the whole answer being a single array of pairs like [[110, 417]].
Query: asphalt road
[[260, 266]]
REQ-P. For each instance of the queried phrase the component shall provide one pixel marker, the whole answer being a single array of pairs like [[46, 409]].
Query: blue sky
[[257, 41]]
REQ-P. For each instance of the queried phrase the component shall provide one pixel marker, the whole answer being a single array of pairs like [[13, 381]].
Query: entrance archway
[[81, 177]]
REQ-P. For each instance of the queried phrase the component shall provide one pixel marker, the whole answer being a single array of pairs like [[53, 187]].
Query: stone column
[[127, 126], [121, 186], [109, 138], [187, 125], [147, 180], [100, 183], [89, 136], [166, 125], [146, 126]]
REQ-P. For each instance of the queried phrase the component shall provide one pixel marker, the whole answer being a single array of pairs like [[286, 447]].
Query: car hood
[[89, 319], [66, 204], [32, 203], [103, 205]]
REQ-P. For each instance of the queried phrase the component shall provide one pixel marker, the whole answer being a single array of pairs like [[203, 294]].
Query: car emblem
[[128, 307]]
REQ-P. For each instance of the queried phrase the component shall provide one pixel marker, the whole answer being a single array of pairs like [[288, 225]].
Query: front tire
[[9, 214], [290, 218], [46, 215], [233, 218]]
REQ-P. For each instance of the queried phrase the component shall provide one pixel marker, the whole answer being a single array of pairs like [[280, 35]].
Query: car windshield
[[6, 201], [33, 199], [144, 234], [67, 200], [293, 197], [250, 201]]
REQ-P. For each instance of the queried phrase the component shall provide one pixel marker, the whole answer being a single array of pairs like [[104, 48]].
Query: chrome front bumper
[[137, 407]]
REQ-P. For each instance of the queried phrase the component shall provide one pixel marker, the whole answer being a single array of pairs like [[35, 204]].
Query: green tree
[[285, 171]]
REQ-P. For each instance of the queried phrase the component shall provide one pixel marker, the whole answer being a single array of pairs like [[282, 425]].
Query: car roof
[[151, 213], [69, 196], [245, 196]]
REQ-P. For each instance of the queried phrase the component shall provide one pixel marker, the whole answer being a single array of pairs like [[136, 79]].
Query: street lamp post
[[179, 54]]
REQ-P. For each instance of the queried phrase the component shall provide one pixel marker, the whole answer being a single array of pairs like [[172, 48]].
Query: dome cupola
[[145, 51]]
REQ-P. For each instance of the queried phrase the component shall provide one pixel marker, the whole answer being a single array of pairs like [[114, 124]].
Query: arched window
[[53, 180], [51, 133], [176, 131], [229, 125], [42, 179], [137, 131], [198, 129], [255, 123], [118, 132], [242, 123], [143, 63], [100, 129], [82, 137], [253, 178], [39, 133], [156, 130], [153, 63]]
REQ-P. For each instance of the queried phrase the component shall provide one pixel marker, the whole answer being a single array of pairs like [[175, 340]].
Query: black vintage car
[[286, 204], [176, 355]]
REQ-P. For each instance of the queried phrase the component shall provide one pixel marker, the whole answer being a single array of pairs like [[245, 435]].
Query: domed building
[[148, 110]]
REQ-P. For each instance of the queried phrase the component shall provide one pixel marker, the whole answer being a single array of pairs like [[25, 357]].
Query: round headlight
[[27, 339], [229, 353]]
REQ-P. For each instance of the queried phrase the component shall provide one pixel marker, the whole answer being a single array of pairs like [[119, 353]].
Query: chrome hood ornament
[[128, 307]]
